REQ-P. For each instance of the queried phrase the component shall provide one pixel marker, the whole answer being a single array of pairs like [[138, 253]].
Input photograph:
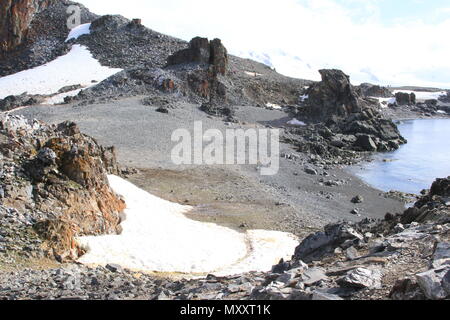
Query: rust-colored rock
[[168, 85], [15, 19], [60, 175]]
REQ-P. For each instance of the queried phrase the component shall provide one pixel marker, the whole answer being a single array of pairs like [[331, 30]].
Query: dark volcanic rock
[[332, 98], [404, 98], [12, 102], [341, 121], [211, 53], [120, 43], [371, 90]]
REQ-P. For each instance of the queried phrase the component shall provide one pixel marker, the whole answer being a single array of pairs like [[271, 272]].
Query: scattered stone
[[358, 199], [431, 283], [114, 267], [362, 278]]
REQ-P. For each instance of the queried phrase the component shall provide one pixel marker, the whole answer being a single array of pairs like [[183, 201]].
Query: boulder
[[361, 278], [366, 143], [441, 256], [333, 97], [406, 289], [403, 98], [371, 90], [434, 283], [321, 243]]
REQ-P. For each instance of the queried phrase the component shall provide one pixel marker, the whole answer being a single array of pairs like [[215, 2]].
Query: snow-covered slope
[[77, 67], [286, 64], [158, 237]]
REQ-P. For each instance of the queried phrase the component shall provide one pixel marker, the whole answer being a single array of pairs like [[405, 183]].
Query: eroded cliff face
[[15, 19]]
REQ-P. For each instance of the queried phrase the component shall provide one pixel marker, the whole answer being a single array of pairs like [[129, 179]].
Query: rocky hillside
[[34, 32], [53, 186]]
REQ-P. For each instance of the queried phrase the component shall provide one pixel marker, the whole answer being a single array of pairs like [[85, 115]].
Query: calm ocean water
[[415, 165]]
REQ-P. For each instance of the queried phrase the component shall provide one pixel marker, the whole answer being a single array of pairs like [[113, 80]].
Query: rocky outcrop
[[200, 50], [58, 177], [372, 90], [332, 98], [405, 99], [341, 121], [15, 20]]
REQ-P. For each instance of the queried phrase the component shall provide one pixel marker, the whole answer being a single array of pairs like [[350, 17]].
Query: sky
[[389, 42]]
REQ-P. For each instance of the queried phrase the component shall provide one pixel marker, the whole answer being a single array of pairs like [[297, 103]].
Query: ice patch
[[273, 106], [304, 97], [77, 32], [158, 237], [76, 67], [295, 122]]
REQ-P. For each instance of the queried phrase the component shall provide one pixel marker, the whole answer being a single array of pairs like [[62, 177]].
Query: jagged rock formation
[[57, 177], [341, 122], [212, 57], [403, 98], [333, 98], [211, 53], [371, 90]]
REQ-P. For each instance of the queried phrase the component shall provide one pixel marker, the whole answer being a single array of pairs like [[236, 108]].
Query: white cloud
[[322, 33]]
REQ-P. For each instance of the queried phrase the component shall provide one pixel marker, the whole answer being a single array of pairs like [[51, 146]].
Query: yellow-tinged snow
[[157, 237]]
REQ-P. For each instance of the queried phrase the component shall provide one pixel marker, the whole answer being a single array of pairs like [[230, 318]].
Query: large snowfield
[[157, 237], [77, 67]]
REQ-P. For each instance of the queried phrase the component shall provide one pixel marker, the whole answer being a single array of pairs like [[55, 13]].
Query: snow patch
[[76, 67], [304, 97], [253, 74], [295, 122], [273, 106], [77, 32], [385, 102], [158, 237]]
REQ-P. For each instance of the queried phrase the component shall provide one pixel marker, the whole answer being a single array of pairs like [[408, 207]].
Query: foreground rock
[[54, 180], [404, 257]]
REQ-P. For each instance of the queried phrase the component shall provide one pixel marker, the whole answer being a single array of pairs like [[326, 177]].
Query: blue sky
[[391, 42]]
